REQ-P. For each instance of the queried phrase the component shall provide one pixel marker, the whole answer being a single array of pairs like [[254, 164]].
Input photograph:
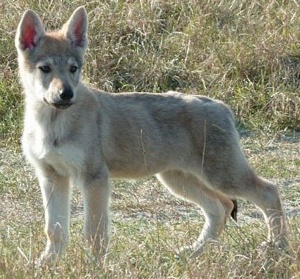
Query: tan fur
[[74, 134]]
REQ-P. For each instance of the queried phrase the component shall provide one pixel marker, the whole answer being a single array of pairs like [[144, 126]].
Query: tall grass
[[149, 227], [244, 53]]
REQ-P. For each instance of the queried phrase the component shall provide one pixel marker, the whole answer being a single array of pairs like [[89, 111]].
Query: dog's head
[[50, 62]]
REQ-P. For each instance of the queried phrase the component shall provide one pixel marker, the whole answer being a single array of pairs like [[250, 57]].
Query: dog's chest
[[66, 160], [64, 157]]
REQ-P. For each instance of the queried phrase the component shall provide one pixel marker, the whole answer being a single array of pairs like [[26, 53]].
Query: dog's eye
[[45, 69], [73, 69]]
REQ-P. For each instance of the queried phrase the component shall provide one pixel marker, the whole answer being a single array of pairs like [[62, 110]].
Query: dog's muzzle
[[65, 99], [62, 104]]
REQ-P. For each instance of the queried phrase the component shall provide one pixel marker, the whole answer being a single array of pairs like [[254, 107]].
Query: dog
[[76, 134]]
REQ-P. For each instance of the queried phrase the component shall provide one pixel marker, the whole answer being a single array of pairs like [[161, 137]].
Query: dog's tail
[[234, 210]]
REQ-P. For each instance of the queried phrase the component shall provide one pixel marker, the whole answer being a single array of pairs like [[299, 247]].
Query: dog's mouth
[[59, 105]]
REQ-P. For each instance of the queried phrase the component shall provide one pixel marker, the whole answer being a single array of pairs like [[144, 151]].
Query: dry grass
[[243, 52], [149, 226]]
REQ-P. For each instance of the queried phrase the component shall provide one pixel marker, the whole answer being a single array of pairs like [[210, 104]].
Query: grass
[[149, 226], [245, 53]]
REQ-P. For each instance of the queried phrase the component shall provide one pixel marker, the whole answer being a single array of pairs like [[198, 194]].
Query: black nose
[[66, 94]]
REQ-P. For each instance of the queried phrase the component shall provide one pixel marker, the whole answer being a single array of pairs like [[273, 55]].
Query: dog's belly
[[131, 174], [138, 169]]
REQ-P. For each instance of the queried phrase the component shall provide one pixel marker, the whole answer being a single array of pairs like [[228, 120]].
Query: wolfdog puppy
[[75, 134]]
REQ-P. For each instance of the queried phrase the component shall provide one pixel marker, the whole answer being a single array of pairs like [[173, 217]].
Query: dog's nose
[[66, 94]]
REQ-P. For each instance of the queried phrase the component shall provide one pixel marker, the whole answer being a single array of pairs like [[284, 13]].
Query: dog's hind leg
[[56, 195], [216, 208], [237, 179], [265, 196]]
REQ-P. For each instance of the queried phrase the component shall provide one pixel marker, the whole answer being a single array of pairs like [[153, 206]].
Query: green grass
[[245, 53]]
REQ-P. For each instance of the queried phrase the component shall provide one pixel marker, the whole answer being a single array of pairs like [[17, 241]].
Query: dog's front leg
[[56, 194], [96, 194]]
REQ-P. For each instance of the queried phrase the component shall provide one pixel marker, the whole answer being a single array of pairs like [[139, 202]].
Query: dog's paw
[[191, 251], [281, 244], [47, 259], [275, 247], [198, 248]]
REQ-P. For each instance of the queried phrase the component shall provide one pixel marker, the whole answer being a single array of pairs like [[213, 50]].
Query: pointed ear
[[30, 31], [76, 28]]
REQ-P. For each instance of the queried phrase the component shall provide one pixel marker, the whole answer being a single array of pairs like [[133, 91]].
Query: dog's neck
[[39, 111]]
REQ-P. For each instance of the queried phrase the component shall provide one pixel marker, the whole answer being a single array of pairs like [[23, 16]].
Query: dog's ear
[[76, 28], [29, 32]]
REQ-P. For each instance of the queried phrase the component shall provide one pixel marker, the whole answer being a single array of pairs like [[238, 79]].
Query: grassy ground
[[149, 226], [245, 53]]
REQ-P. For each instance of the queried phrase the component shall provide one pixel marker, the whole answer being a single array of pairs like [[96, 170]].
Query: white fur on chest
[[66, 160], [48, 147]]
